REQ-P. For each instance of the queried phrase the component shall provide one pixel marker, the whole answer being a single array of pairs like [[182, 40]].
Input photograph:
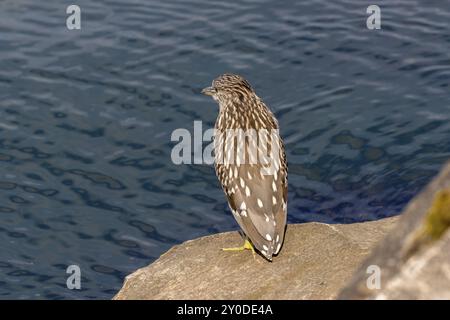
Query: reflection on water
[[86, 118]]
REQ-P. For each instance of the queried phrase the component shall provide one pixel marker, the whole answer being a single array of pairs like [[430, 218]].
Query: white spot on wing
[[247, 191], [268, 237], [243, 206], [260, 204]]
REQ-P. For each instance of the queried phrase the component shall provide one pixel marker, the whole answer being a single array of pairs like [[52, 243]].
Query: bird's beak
[[209, 91]]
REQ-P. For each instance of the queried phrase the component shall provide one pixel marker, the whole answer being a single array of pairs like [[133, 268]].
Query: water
[[86, 118]]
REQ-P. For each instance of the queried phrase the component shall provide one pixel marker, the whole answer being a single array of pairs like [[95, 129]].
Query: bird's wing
[[258, 201]]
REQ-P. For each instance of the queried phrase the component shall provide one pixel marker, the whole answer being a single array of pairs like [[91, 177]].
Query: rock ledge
[[315, 263]]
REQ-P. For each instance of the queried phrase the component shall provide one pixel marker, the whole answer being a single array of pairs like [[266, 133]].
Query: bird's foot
[[246, 246]]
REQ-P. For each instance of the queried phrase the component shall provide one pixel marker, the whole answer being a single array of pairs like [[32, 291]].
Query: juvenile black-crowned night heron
[[250, 163]]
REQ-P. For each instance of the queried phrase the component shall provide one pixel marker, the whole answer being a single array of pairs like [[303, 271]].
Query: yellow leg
[[247, 245]]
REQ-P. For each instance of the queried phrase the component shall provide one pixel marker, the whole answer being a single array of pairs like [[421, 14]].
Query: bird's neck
[[250, 113]]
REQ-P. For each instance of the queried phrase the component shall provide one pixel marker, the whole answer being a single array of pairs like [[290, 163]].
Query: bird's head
[[229, 87]]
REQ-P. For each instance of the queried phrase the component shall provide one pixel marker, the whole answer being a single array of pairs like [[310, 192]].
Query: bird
[[256, 191]]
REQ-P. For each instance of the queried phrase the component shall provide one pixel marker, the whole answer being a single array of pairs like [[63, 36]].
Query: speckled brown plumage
[[258, 200]]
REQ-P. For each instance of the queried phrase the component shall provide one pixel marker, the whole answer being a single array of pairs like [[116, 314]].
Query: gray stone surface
[[315, 262], [413, 264], [423, 276]]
